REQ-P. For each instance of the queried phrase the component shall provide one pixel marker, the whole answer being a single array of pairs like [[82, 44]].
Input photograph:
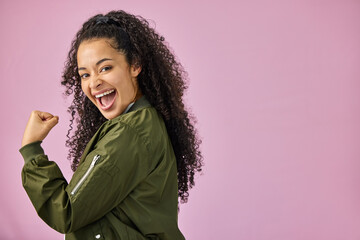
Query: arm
[[45, 185], [122, 164]]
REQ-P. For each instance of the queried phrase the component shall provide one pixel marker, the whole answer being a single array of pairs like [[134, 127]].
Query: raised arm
[[110, 171]]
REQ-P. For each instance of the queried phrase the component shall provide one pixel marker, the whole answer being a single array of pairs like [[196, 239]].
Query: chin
[[110, 115]]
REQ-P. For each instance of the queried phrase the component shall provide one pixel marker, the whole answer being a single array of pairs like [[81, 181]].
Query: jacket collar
[[140, 103]]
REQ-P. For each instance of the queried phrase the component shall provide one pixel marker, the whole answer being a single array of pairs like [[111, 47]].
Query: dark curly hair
[[162, 80]]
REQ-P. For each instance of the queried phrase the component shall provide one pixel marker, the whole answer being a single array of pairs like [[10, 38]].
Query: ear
[[135, 70]]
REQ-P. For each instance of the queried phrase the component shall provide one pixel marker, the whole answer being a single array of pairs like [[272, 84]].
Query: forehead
[[92, 50]]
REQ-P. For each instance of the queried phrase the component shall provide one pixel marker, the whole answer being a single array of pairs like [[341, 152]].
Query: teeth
[[104, 93]]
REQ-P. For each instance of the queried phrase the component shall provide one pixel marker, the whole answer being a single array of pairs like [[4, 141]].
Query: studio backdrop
[[275, 88]]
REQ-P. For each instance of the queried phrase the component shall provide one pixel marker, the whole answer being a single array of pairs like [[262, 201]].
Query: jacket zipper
[[82, 180]]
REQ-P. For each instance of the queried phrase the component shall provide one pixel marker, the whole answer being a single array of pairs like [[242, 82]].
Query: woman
[[135, 150]]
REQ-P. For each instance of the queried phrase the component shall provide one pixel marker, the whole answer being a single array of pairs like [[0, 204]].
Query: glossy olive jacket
[[124, 188]]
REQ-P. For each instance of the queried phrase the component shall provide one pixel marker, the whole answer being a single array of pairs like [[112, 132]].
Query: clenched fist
[[38, 127]]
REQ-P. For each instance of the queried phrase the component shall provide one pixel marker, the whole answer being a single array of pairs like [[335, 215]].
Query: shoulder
[[143, 125]]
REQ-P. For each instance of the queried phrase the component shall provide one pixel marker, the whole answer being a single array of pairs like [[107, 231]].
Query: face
[[107, 79]]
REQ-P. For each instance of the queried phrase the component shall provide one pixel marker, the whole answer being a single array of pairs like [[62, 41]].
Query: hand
[[38, 127]]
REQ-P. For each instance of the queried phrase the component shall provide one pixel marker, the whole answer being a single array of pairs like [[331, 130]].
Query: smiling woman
[[110, 83], [134, 151]]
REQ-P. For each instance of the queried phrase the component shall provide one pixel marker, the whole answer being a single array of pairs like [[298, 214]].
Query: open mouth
[[106, 99]]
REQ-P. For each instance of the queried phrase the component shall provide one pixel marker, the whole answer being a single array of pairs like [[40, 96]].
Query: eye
[[105, 69], [85, 75]]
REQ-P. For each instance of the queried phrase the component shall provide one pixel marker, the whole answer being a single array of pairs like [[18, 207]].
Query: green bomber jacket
[[125, 186]]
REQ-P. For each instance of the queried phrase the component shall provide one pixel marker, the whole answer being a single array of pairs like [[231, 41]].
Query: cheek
[[84, 88], [126, 89]]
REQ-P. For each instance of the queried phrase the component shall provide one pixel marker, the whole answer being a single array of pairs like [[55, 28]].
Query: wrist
[[25, 141], [31, 150]]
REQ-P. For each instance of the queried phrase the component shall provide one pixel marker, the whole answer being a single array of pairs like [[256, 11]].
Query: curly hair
[[162, 80]]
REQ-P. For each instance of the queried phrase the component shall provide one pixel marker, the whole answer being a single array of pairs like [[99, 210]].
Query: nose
[[95, 82]]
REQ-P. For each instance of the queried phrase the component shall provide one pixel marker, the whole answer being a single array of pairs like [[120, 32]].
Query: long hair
[[162, 80]]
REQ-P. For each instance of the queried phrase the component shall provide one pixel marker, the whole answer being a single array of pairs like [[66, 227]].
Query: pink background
[[274, 85]]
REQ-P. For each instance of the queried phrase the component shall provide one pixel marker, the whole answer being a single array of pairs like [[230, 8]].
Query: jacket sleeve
[[116, 165]]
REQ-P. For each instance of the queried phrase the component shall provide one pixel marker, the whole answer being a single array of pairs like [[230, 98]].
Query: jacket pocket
[[87, 173]]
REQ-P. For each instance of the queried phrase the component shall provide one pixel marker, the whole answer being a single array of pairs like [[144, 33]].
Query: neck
[[138, 95]]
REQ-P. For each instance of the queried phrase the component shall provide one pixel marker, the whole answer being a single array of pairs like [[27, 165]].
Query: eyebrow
[[99, 62]]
